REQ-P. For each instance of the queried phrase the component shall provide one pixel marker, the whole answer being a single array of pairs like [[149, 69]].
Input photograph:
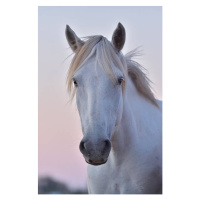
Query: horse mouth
[[96, 163]]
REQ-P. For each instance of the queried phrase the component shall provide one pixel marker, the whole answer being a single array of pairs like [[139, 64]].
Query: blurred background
[[61, 167]]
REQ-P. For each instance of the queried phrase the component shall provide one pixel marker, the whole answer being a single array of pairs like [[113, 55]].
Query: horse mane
[[106, 56], [140, 79]]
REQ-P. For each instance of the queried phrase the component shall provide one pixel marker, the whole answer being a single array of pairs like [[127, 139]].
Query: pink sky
[[59, 136], [59, 125]]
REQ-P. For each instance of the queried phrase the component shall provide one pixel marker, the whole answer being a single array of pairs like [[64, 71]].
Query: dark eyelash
[[75, 82], [120, 80]]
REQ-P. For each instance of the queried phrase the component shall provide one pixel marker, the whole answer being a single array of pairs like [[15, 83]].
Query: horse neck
[[140, 123]]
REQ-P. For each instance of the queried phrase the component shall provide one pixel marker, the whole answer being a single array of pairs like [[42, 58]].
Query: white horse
[[121, 119]]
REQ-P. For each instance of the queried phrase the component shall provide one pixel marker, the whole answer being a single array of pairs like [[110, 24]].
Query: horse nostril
[[82, 147], [107, 146], [107, 143]]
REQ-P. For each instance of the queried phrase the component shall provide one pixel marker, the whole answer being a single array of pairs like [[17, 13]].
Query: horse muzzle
[[95, 153]]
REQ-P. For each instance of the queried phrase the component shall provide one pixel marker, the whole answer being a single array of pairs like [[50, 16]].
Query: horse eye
[[120, 80], [75, 83]]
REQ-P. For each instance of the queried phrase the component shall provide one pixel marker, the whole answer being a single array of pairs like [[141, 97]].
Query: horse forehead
[[92, 71]]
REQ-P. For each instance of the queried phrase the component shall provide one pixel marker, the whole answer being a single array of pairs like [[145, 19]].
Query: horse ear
[[119, 36], [73, 40]]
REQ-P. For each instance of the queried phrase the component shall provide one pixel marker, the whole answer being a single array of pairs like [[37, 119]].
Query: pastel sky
[[59, 125]]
